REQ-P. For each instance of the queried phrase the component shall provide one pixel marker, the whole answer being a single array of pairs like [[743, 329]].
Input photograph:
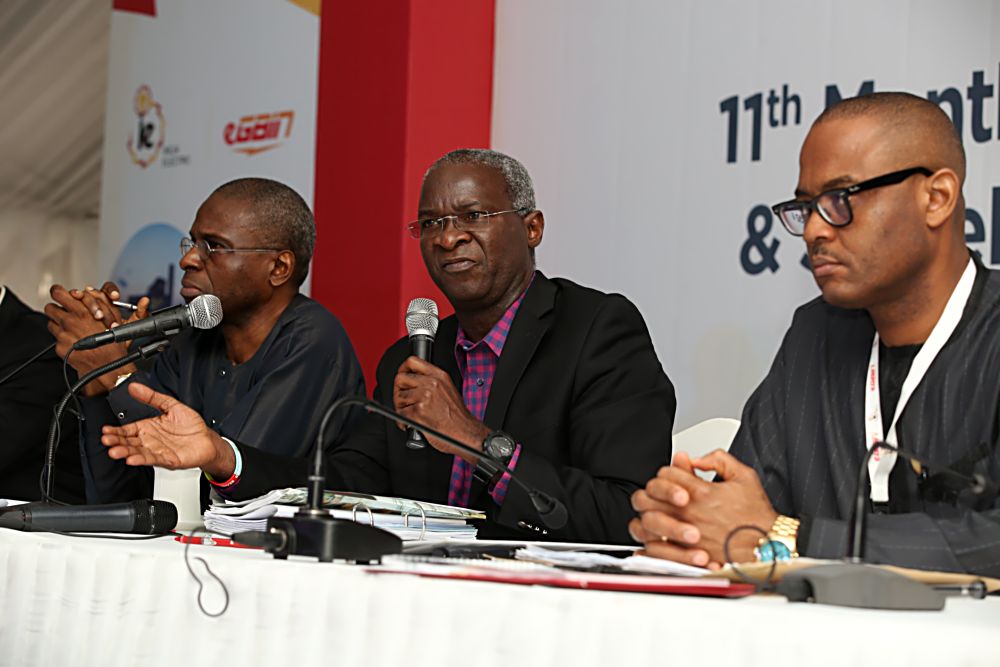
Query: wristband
[[235, 477]]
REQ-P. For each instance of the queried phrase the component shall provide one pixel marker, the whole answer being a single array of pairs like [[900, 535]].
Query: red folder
[[593, 581]]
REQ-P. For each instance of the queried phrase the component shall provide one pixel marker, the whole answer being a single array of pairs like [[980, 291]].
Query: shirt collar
[[497, 336]]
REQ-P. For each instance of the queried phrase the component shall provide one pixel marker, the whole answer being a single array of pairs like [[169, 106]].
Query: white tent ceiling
[[53, 82]]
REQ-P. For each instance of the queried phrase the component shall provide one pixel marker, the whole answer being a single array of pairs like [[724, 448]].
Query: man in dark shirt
[[559, 381], [27, 395], [263, 376], [902, 348]]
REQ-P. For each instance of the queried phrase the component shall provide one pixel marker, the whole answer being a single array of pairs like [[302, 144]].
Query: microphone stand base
[[859, 585], [323, 537]]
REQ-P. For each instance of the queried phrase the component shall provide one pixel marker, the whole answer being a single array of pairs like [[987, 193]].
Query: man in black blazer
[[569, 392], [27, 397]]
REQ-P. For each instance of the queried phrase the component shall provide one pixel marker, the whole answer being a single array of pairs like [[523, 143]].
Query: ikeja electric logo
[[146, 142], [259, 133]]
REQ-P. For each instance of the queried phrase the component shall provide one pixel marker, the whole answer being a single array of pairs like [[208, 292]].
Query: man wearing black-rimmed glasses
[[263, 376], [903, 347]]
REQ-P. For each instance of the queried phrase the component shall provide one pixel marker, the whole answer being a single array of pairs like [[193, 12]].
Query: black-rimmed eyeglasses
[[464, 222], [834, 206], [206, 249]]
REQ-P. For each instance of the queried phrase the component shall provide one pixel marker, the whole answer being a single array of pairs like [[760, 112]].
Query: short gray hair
[[519, 187], [282, 216]]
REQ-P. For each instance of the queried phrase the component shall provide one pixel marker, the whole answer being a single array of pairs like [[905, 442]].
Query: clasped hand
[[683, 518], [75, 314]]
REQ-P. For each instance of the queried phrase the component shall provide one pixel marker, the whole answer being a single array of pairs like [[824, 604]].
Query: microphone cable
[[26, 364], [201, 584], [766, 585]]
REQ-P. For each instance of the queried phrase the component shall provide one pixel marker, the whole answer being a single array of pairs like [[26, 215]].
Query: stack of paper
[[408, 519], [585, 560]]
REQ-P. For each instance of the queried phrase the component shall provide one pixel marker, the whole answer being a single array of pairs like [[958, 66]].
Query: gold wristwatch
[[780, 543]]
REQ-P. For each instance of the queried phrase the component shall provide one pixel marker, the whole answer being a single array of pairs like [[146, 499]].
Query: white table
[[72, 601]]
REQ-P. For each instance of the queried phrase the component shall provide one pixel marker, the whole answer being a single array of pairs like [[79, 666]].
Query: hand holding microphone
[[426, 394]]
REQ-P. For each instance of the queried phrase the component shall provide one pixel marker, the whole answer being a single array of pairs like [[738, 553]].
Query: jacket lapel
[[529, 327]]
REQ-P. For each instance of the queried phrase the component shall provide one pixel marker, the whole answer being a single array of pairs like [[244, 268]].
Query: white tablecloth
[[72, 601]]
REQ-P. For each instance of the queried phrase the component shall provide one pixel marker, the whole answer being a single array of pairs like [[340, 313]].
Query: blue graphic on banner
[[148, 266]]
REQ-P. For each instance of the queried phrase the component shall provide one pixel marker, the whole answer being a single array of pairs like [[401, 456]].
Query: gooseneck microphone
[[204, 312], [421, 327], [144, 517], [313, 532], [944, 476], [854, 583], [145, 352], [552, 512]]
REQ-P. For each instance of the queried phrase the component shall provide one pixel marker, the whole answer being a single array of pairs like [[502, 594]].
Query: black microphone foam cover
[[155, 516]]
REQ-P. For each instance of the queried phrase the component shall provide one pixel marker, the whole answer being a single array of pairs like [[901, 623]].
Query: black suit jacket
[[26, 402], [578, 385]]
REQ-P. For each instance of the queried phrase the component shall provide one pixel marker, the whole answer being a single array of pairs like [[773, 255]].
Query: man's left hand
[[677, 498], [426, 394]]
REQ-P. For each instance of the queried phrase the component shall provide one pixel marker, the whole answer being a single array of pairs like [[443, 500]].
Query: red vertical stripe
[[400, 83]]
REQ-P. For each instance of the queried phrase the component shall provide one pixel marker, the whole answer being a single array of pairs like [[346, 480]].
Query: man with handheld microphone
[[262, 377], [558, 382]]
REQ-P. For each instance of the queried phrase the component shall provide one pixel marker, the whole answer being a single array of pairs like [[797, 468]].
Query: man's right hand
[[178, 438], [79, 313]]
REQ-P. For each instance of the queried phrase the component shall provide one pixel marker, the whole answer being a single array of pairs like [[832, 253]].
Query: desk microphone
[[313, 532], [945, 478], [854, 583], [421, 327], [144, 517]]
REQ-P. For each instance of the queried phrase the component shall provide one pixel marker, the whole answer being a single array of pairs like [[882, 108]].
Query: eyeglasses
[[206, 248], [834, 205], [464, 222]]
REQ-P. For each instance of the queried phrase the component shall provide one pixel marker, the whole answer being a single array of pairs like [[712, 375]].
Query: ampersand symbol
[[758, 242]]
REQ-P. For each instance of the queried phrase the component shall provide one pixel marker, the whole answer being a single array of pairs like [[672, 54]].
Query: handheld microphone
[[421, 327], [144, 517], [204, 312]]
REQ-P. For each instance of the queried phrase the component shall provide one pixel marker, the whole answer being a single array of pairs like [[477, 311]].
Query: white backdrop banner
[[199, 93], [659, 133]]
